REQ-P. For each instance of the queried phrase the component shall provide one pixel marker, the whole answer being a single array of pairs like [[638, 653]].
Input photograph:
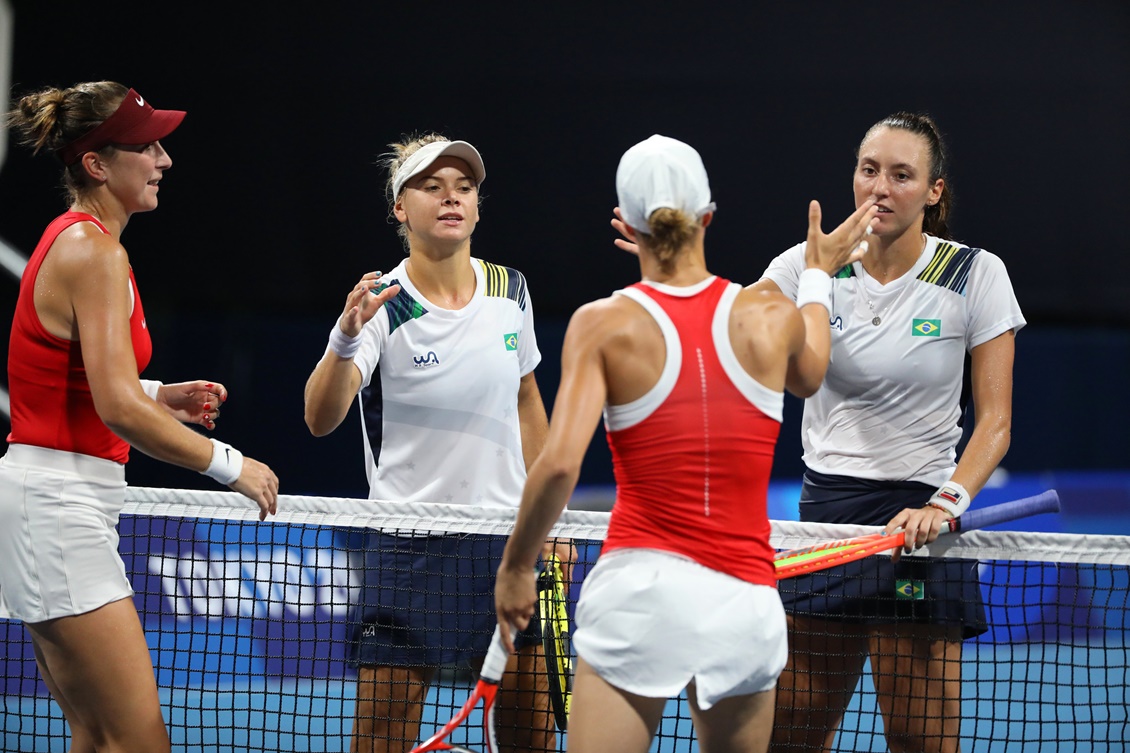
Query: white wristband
[[951, 497], [342, 344], [815, 286], [226, 465], [150, 387]]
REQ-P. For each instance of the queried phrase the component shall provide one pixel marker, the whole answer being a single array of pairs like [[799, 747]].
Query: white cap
[[658, 173], [421, 159]]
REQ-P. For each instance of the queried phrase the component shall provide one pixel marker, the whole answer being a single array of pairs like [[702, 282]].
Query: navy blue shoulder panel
[[505, 282], [950, 266]]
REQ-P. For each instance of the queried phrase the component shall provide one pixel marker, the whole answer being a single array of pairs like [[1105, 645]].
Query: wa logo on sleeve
[[511, 341]]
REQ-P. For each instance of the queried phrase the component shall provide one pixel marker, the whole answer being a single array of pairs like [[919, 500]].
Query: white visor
[[422, 158]]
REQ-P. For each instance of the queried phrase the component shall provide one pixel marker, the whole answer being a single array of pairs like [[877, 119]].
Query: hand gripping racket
[[822, 556], [555, 639], [485, 690]]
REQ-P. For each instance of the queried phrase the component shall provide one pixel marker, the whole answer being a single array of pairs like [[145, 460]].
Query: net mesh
[[252, 628]]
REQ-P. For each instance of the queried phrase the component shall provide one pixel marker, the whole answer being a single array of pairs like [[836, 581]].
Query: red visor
[[134, 122]]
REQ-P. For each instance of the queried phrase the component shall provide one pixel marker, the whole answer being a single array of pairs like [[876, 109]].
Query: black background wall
[[274, 205]]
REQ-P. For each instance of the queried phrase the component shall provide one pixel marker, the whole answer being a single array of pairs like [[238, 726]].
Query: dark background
[[274, 206]]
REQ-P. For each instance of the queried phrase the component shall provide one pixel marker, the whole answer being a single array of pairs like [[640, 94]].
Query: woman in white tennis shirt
[[440, 352], [879, 441]]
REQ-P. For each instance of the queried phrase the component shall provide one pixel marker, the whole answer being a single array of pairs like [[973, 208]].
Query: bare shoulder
[[606, 314], [84, 276], [606, 321], [766, 322], [771, 306], [765, 283], [84, 249]]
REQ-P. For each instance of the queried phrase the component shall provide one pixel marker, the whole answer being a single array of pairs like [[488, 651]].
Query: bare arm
[[992, 403], [992, 434], [335, 380], [812, 358], [532, 419], [101, 311], [535, 427], [577, 410], [329, 392], [95, 276]]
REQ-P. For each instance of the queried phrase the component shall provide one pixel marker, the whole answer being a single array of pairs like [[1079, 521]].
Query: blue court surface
[[1064, 710]]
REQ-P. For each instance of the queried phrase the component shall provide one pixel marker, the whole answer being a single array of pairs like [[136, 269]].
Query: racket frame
[[842, 551], [486, 690], [558, 662]]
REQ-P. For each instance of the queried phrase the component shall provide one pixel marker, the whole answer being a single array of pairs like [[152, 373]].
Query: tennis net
[[252, 626]]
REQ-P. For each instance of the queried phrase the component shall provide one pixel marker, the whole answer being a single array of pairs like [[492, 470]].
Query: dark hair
[[51, 118], [936, 219], [669, 230]]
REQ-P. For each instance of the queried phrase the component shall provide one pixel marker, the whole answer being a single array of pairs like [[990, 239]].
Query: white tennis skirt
[[650, 622], [58, 537]]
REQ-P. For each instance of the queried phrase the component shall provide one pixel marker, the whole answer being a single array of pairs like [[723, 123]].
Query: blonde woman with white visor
[[440, 353]]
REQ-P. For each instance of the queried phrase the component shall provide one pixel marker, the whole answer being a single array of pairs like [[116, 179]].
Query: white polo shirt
[[439, 392], [889, 405]]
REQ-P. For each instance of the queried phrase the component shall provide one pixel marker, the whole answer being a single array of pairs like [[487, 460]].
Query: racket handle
[[495, 662], [984, 517]]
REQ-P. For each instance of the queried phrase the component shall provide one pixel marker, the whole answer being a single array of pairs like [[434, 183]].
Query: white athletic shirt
[[439, 392], [889, 405]]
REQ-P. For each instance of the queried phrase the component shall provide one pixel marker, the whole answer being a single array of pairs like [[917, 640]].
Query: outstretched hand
[[195, 402], [364, 301], [626, 243], [844, 245]]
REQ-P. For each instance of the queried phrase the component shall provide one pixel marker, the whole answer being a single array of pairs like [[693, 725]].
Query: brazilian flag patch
[[910, 589], [926, 328], [511, 341]]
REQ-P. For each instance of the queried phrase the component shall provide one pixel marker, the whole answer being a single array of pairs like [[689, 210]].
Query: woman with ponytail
[[79, 342], [880, 439], [688, 371]]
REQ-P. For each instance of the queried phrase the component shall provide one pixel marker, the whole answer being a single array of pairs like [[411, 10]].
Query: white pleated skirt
[[58, 536]]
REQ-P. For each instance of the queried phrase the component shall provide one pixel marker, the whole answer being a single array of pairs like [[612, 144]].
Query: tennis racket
[[485, 690], [822, 556], [555, 639]]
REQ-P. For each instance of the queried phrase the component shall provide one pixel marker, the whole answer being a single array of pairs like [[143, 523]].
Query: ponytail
[[670, 230], [51, 118]]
